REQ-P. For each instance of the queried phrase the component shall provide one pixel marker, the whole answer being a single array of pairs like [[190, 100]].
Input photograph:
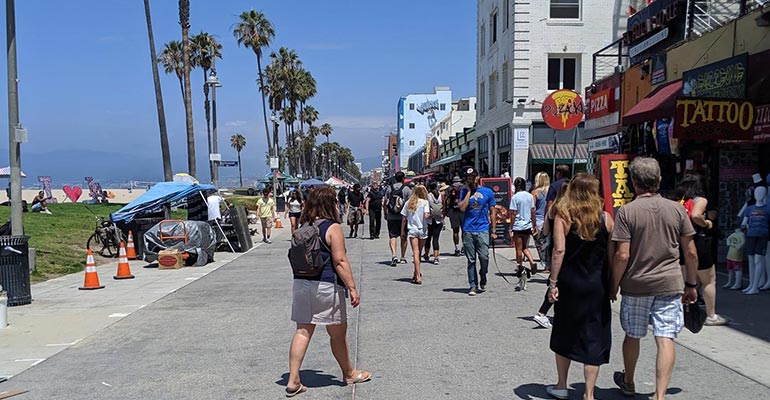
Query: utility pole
[[14, 142]]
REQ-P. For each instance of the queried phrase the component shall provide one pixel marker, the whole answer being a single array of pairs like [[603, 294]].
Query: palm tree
[[171, 58], [205, 50], [255, 31], [326, 130], [184, 21], [238, 142], [308, 115], [164, 149]]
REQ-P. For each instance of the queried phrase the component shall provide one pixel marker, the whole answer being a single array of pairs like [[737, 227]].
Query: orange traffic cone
[[124, 270], [278, 223], [92, 278], [130, 249]]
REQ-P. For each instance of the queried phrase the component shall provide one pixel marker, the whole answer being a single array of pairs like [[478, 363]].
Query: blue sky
[[86, 83]]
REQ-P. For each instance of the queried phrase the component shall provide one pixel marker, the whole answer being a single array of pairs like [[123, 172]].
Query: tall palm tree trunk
[[207, 106], [270, 148], [164, 148], [184, 21], [240, 174]]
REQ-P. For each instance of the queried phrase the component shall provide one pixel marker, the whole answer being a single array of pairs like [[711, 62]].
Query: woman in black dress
[[579, 284]]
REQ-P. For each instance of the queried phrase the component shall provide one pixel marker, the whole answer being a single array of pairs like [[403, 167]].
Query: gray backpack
[[305, 251], [436, 208]]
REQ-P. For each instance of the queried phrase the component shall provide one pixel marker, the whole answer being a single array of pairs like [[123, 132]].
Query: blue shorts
[[664, 313]]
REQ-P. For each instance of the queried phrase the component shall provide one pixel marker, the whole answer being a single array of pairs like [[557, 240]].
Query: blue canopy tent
[[154, 199], [312, 182]]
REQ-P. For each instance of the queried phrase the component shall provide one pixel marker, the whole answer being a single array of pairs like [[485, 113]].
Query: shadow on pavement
[[405, 280], [456, 290], [313, 379], [532, 391]]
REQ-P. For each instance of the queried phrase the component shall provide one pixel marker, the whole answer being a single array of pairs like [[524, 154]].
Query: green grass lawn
[[60, 238]]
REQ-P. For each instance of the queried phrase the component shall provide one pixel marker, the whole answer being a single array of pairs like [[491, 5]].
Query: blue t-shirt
[[523, 203], [553, 190], [759, 219], [477, 213]]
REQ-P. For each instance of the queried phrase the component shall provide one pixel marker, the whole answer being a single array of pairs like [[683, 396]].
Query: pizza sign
[[563, 110]]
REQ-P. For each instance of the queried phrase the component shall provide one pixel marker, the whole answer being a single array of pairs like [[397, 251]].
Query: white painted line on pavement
[[35, 361], [63, 344], [118, 315], [191, 279], [106, 384]]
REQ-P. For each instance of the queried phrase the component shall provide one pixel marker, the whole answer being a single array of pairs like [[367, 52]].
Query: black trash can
[[14, 269], [138, 227]]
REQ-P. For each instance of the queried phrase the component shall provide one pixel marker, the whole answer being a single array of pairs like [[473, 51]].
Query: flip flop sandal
[[291, 393], [361, 377], [557, 393]]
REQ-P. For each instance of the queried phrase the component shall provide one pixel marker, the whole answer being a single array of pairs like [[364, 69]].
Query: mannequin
[[757, 221], [766, 286], [735, 243]]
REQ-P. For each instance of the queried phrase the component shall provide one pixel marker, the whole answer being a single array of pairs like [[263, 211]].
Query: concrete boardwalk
[[227, 334]]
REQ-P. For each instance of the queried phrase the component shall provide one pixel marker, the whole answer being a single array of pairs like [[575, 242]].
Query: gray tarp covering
[[201, 240]]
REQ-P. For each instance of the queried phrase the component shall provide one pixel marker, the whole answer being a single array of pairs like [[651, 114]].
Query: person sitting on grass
[[40, 204]]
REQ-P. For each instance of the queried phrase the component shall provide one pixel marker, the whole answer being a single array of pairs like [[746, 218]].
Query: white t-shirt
[[416, 219], [213, 202]]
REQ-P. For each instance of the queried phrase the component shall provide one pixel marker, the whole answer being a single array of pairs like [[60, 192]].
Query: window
[[482, 96], [504, 136], [483, 146], [483, 39], [443, 125], [507, 13], [493, 28], [492, 84], [505, 82], [411, 143], [562, 73], [442, 106], [411, 106], [411, 125], [565, 9]]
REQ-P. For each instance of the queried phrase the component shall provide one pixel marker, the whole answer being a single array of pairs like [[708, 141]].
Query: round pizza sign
[[562, 110]]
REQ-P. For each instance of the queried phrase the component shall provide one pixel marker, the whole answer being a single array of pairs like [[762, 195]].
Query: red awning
[[661, 103]]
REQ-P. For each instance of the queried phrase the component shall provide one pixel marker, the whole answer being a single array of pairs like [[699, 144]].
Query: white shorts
[[418, 233], [664, 313]]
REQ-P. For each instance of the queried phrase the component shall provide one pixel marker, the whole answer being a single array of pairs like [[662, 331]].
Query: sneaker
[[716, 320], [403, 261], [472, 292], [394, 262], [47, 212], [628, 389], [542, 320], [457, 252], [435, 261], [268, 241], [482, 287]]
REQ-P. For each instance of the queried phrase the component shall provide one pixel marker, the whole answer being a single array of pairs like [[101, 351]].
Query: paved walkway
[[226, 336]]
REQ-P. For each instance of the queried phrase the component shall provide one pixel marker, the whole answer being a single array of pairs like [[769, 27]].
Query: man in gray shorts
[[648, 234], [456, 216]]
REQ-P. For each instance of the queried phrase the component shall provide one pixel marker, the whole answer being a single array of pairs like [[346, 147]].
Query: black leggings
[[434, 231], [546, 304]]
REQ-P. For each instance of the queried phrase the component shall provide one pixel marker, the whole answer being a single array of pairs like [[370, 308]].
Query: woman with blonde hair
[[414, 225], [542, 182], [320, 300], [579, 284]]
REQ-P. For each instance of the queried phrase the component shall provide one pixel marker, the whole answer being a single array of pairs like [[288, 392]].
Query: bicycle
[[108, 236]]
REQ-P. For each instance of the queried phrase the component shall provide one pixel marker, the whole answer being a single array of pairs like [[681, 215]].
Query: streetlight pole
[[274, 159], [14, 142], [214, 82]]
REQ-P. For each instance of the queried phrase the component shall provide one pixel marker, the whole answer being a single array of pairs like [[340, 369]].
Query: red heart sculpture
[[73, 192]]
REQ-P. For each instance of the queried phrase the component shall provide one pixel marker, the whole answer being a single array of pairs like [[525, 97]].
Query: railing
[[707, 15], [608, 60]]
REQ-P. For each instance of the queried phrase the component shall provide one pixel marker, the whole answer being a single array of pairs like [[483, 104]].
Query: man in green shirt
[[266, 212]]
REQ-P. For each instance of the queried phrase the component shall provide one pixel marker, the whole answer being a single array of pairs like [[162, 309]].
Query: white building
[[463, 115], [527, 49], [417, 114]]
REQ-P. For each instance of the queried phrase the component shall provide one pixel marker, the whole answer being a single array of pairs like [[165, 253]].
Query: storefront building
[[454, 153]]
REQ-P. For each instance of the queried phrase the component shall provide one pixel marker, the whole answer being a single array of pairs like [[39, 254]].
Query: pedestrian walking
[[648, 234], [522, 214], [546, 239], [456, 215], [395, 196], [435, 223], [373, 207], [294, 210], [540, 192], [561, 177], [342, 201], [355, 215], [414, 226], [690, 191], [266, 212], [477, 204], [579, 283], [320, 300]]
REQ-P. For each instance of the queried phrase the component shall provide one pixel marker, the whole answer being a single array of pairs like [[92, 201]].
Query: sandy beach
[[114, 195]]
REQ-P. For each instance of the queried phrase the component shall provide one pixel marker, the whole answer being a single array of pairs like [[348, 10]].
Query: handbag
[[694, 317]]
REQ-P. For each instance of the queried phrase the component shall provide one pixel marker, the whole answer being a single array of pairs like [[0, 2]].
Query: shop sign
[[563, 110], [521, 139], [713, 119], [501, 187], [605, 144], [647, 43], [658, 74], [616, 181], [724, 79], [762, 123], [660, 23]]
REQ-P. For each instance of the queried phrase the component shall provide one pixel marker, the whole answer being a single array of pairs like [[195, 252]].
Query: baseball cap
[[470, 171]]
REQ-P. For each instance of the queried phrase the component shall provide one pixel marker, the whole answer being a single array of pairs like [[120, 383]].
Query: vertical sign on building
[[520, 151], [616, 181]]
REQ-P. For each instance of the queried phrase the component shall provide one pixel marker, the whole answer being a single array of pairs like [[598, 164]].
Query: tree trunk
[[164, 149], [270, 147], [240, 175], [184, 21], [207, 106]]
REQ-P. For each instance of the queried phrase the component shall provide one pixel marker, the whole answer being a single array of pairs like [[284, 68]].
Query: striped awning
[[542, 153]]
